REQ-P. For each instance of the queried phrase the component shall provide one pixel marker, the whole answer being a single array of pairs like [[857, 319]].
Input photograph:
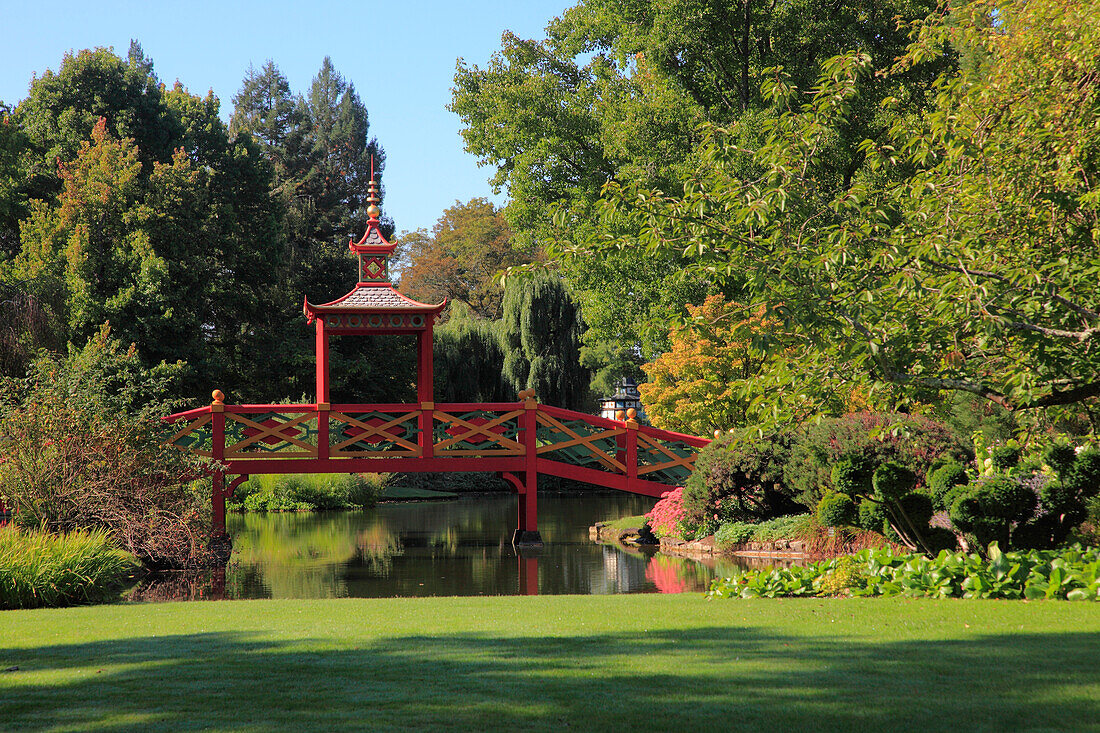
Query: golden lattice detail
[[379, 432], [687, 462], [507, 446], [271, 431], [587, 441]]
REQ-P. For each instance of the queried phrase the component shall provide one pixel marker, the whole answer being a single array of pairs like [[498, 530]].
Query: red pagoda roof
[[374, 293], [369, 298]]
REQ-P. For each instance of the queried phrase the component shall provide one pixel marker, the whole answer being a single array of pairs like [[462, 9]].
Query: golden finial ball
[[373, 211], [219, 396], [620, 415], [631, 413]]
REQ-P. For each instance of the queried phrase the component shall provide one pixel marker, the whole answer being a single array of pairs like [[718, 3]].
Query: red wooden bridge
[[518, 440]]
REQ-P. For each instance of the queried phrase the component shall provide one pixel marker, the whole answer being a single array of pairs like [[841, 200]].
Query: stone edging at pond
[[603, 532]]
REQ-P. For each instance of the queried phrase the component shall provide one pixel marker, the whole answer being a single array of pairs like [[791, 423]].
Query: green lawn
[[614, 663]]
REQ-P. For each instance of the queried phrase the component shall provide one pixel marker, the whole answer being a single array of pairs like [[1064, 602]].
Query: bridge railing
[[515, 436]]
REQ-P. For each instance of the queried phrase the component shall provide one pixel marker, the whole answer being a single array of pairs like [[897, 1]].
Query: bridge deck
[[513, 438]]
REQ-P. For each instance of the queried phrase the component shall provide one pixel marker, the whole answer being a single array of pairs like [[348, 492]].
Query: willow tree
[[541, 335]]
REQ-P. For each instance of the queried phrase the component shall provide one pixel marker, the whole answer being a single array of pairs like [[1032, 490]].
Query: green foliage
[[734, 533], [38, 568], [837, 510], [84, 448], [790, 527], [1005, 457], [308, 492], [462, 259], [858, 443], [143, 212], [541, 337], [992, 507], [851, 475], [738, 480], [872, 516], [937, 262], [943, 480], [1072, 574], [617, 92], [468, 359], [892, 481]]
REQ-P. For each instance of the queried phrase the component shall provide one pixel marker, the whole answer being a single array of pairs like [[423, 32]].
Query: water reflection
[[459, 547]]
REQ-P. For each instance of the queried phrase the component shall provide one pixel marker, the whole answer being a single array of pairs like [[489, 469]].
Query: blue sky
[[400, 56]]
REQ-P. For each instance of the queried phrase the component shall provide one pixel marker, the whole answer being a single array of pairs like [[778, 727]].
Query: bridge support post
[[527, 527]]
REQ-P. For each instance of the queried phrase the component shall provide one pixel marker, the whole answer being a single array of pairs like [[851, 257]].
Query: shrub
[[993, 508], [851, 475], [1006, 457], [837, 510], [734, 533], [867, 439], [664, 517], [872, 516], [42, 569], [737, 481], [84, 448], [943, 480], [308, 492], [892, 481]]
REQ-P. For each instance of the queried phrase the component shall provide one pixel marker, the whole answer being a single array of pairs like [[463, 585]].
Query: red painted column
[[529, 499], [218, 498], [322, 360], [217, 450], [631, 459], [425, 389]]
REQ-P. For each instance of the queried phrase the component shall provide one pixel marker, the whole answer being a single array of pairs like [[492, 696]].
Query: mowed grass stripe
[[553, 663]]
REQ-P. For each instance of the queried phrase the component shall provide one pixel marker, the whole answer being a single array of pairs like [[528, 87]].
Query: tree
[[177, 252], [964, 255], [541, 335], [468, 359], [617, 92], [461, 260], [703, 382]]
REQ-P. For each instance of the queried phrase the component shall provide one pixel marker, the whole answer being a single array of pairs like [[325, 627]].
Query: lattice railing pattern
[[665, 461], [194, 434], [580, 443], [270, 434], [471, 430], [477, 433], [374, 433]]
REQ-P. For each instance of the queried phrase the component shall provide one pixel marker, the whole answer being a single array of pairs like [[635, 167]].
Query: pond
[[457, 547]]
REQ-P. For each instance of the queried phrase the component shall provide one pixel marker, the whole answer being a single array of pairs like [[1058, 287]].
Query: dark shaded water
[[460, 547]]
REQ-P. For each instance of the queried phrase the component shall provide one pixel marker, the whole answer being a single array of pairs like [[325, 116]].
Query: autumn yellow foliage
[[699, 384]]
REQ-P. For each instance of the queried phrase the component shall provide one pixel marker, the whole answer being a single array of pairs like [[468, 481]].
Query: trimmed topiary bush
[[943, 480], [892, 481], [837, 510], [866, 440]]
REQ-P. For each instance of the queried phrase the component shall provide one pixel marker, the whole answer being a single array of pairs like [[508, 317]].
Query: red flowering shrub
[[664, 518]]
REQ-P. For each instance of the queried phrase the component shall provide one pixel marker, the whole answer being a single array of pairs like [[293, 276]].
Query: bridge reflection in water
[[446, 548]]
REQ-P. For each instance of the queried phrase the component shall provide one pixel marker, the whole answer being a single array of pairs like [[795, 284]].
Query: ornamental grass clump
[[42, 569]]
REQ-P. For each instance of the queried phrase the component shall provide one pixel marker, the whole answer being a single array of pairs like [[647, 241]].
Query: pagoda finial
[[372, 195]]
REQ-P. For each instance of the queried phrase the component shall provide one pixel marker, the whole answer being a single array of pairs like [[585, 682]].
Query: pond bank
[[786, 550]]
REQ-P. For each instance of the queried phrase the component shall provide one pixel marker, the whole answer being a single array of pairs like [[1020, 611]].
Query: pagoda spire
[[373, 249]]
